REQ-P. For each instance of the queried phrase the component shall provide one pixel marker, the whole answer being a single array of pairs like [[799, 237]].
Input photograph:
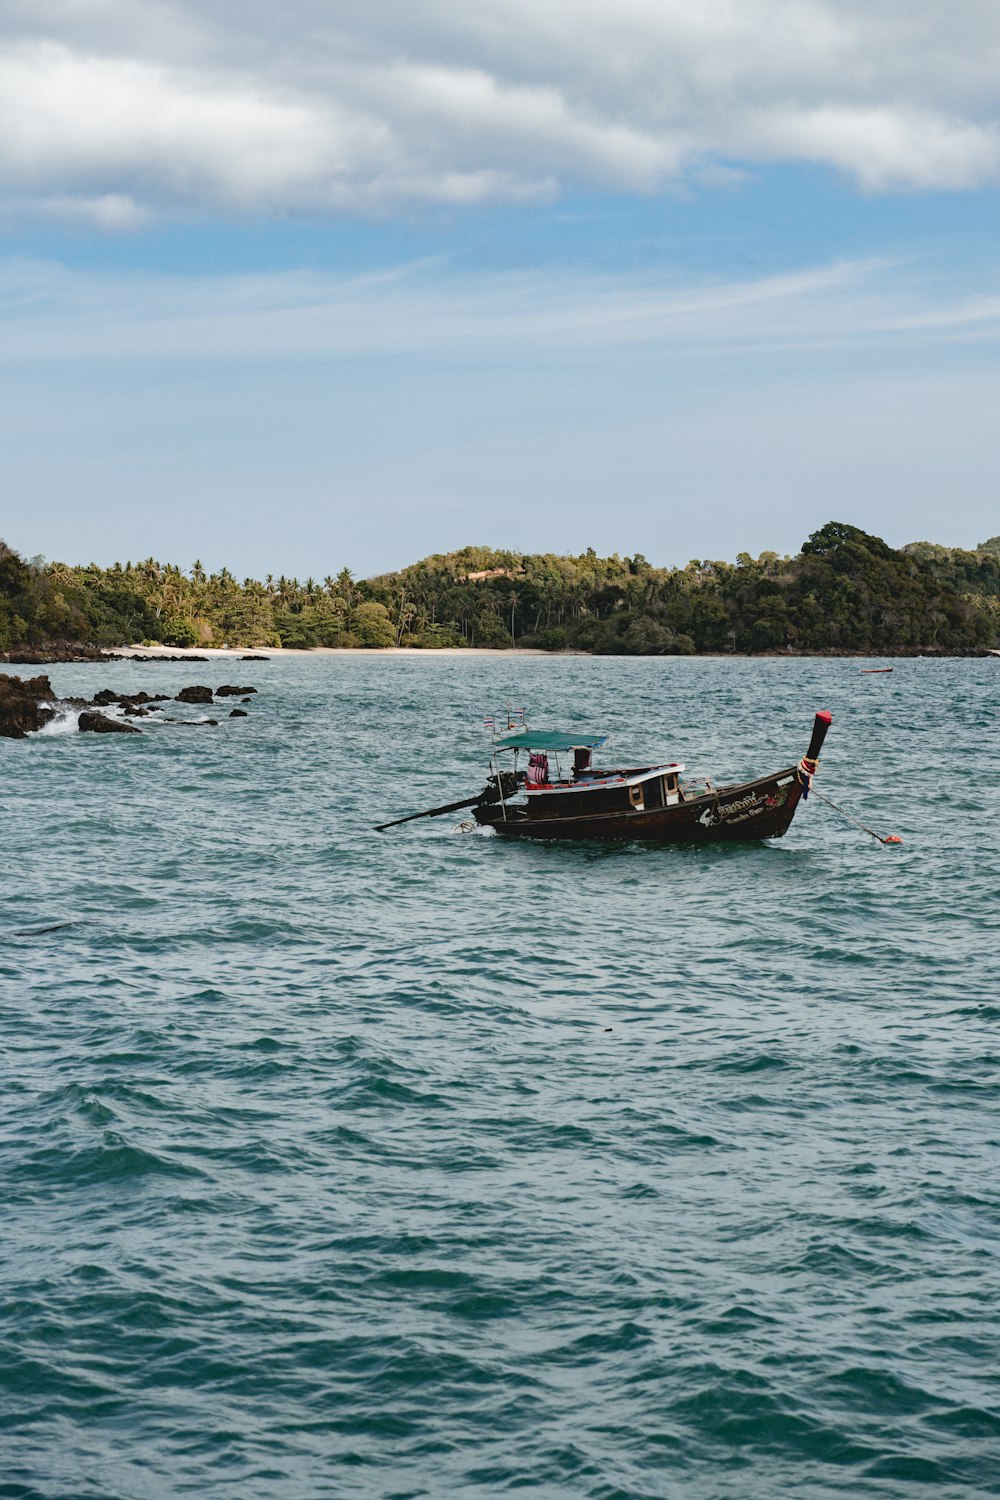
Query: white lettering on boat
[[742, 808]]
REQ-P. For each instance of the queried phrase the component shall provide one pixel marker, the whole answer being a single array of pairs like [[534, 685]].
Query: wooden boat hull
[[645, 802], [751, 810]]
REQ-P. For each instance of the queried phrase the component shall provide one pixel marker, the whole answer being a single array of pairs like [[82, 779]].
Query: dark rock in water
[[57, 651], [238, 713], [166, 658], [25, 705], [233, 692], [255, 658], [127, 700], [194, 695], [91, 723], [244, 700], [137, 712]]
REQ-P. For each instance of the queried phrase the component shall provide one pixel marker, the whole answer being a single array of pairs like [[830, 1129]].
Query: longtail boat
[[548, 800]]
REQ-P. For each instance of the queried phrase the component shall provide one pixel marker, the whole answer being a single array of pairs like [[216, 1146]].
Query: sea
[[372, 1166]]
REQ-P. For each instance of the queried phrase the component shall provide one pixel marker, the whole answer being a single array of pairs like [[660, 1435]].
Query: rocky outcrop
[[166, 658], [238, 713], [26, 704], [107, 696], [50, 652], [255, 658], [95, 723], [229, 691]]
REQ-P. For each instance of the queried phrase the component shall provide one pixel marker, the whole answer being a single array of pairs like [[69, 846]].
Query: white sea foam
[[66, 721], [480, 830]]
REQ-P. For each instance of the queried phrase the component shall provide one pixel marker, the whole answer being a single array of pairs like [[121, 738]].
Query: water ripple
[[419, 1165]]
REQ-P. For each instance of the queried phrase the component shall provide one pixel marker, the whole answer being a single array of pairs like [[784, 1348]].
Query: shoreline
[[63, 653], [236, 653]]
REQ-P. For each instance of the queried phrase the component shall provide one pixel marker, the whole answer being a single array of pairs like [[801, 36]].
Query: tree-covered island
[[845, 592]]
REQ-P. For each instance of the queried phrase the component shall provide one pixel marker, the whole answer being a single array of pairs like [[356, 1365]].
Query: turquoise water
[[338, 1164]]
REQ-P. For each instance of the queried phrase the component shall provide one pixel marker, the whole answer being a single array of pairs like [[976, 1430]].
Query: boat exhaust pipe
[[809, 764]]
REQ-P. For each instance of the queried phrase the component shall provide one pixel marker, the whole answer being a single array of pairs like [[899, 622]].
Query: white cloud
[[112, 211], [885, 148], [92, 120], [52, 314], [389, 415], [314, 107]]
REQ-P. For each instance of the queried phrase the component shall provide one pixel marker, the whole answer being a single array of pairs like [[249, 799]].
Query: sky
[[291, 288]]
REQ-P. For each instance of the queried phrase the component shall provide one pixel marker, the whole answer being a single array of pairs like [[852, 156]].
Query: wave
[[65, 721], [325, 1172]]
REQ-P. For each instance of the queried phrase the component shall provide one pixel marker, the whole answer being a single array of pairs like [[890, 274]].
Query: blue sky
[[347, 285]]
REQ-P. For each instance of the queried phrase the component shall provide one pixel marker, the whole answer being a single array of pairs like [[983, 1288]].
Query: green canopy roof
[[550, 739]]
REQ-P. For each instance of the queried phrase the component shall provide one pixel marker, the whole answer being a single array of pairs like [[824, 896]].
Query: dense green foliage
[[845, 591], [976, 575], [157, 602]]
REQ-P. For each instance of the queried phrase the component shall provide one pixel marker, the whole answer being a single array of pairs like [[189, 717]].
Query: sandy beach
[[235, 653]]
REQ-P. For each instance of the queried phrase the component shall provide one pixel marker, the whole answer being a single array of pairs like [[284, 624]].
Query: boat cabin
[[561, 781]]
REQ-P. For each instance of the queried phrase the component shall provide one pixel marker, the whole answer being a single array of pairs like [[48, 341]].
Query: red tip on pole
[[821, 724]]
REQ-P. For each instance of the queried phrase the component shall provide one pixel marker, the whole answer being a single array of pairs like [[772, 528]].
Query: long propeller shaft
[[431, 812]]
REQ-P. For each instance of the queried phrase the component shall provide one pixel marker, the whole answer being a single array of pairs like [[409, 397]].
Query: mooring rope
[[890, 838]]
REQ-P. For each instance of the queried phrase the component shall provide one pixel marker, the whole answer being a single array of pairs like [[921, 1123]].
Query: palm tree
[[345, 583], [406, 613], [515, 600]]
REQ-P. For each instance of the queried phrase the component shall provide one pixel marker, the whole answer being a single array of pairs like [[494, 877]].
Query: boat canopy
[[550, 739]]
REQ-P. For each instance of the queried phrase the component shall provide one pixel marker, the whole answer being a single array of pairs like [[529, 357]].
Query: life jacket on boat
[[538, 770]]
